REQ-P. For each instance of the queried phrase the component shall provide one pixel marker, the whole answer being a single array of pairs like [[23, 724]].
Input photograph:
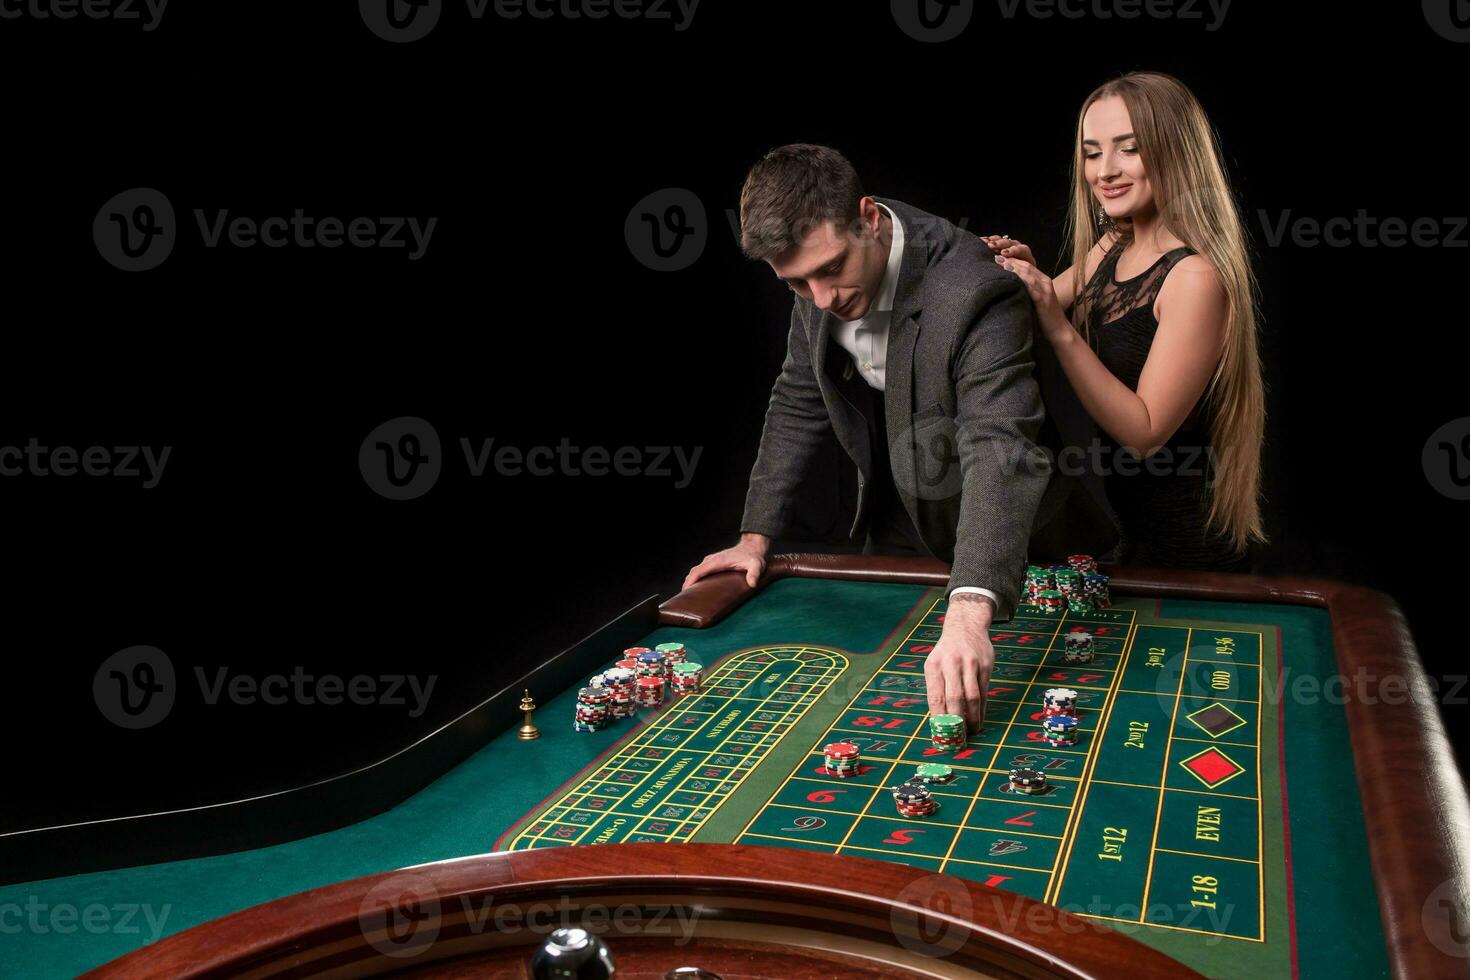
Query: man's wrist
[[753, 541], [969, 610]]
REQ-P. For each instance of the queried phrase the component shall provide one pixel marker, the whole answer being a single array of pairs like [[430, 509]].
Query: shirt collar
[[889, 286]]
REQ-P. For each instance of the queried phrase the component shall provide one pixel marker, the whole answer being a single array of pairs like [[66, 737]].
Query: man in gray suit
[[914, 346]]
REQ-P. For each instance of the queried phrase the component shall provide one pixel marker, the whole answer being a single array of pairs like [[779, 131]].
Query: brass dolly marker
[[528, 731]]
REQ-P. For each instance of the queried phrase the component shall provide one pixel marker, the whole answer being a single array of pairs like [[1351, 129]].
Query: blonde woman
[[1160, 345]]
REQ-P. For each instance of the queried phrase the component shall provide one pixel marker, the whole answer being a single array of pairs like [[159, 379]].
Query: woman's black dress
[[1162, 502]]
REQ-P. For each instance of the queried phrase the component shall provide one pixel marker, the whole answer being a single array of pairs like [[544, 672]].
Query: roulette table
[[1259, 786]]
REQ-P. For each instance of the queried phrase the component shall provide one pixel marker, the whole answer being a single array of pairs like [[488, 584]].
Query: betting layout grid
[[1199, 777], [663, 782]]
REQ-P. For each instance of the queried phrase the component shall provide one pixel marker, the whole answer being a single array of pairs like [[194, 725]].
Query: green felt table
[[1201, 812]]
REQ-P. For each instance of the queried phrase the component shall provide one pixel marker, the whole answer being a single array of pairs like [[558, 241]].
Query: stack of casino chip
[[1028, 781], [947, 731], [628, 663], [933, 773], [632, 653], [687, 677], [1060, 701], [1077, 648], [651, 664], [1082, 563], [650, 691], [622, 683], [593, 709], [674, 654], [1095, 584], [1069, 582], [914, 800], [1079, 603], [1038, 580], [1059, 730], [1050, 600], [842, 759]]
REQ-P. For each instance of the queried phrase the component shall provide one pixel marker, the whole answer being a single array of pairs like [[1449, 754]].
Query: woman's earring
[[1102, 217]]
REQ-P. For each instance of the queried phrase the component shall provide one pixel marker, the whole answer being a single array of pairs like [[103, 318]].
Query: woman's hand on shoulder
[[1005, 245], [1043, 293]]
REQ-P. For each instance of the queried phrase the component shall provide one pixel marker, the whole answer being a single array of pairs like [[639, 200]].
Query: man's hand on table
[[749, 556], [957, 673]]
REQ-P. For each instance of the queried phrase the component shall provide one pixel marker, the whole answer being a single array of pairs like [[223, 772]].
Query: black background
[[529, 319]]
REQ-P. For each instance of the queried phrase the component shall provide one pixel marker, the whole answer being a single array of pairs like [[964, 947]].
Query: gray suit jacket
[[962, 409]]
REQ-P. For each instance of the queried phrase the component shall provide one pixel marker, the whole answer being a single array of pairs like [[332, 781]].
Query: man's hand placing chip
[[957, 673]]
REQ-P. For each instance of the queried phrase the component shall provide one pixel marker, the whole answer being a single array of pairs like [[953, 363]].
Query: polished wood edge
[[1414, 800], [729, 882], [313, 808]]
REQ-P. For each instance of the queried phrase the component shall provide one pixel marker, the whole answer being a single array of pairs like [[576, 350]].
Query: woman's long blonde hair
[[1182, 155]]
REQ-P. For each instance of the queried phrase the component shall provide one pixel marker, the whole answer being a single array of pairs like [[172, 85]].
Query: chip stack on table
[[622, 683], [1028, 781], [687, 677], [1038, 580], [947, 731], [593, 709], [1082, 563], [633, 653], [1060, 730], [1079, 603], [1095, 584], [1051, 601], [842, 759], [914, 800], [1059, 701], [674, 655], [650, 691], [651, 664], [1069, 582], [1077, 647], [933, 773], [628, 663]]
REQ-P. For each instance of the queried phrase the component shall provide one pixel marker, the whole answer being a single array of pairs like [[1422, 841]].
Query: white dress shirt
[[866, 339]]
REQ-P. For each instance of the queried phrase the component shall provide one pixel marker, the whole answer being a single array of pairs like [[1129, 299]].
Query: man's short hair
[[791, 192]]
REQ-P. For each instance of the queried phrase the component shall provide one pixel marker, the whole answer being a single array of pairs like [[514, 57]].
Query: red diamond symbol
[[1212, 767]]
